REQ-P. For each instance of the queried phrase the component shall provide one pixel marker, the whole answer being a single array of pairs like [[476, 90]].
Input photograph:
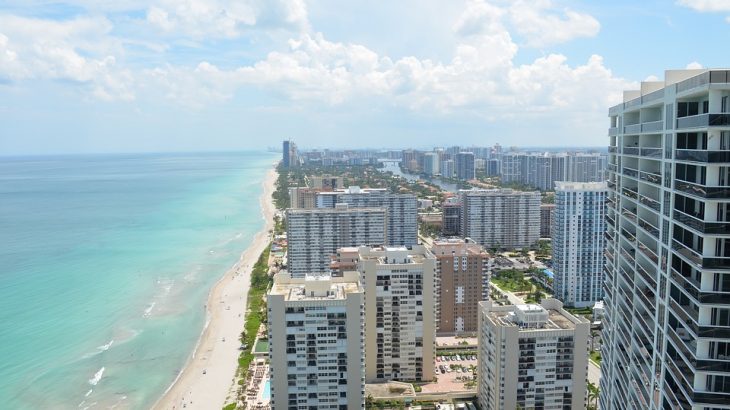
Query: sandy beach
[[217, 351]]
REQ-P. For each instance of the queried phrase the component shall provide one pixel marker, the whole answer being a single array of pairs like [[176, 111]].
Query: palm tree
[[593, 392]]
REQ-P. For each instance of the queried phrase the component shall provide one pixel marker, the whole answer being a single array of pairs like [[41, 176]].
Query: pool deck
[[258, 396]]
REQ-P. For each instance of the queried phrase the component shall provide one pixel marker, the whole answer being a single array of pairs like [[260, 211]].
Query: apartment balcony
[[703, 121], [650, 203], [651, 177], [612, 167], [694, 222], [630, 172], [630, 192], [702, 156], [648, 253], [649, 279], [652, 126], [649, 228], [613, 131], [702, 191], [650, 152], [631, 150], [700, 261], [611, 185]]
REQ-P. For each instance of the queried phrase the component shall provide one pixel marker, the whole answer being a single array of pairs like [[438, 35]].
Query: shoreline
[[216, 351]]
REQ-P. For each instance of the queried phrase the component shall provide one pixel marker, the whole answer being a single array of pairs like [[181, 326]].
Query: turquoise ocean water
[[105, 266]]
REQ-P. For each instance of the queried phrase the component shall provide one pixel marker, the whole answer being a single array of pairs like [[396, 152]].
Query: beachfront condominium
[[462, 281], [500, 218], [316, 344], [667, 322], [532, 357], [289, 157], [314, 235], [402, 210], [542, 170], [400, 313], [578, 242], [464, 164], [546, 219], [431, 163]]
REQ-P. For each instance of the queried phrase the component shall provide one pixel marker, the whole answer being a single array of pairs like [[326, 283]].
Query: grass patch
[[586, 311], [256, 312], [512, 281], [231, 406], [596, 357]]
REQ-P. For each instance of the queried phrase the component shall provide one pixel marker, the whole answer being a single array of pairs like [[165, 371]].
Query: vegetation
[[256, 309], [593, 393], [281, 194], [511, 280], [428, 230], [548, 198], [544, 249], [231, 406], [596, 357], [279, 225]]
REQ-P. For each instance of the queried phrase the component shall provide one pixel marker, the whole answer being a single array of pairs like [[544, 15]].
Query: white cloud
[[706, 5], [202, 19], [693, 65], [541, 26], [78, 50]]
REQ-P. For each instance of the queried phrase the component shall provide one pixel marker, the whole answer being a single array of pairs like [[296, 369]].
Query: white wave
[[114, 406], [97, 377], [106, 347], [88, 393], [148, 311]]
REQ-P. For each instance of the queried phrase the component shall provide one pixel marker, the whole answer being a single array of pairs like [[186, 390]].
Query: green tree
[[593, 393]]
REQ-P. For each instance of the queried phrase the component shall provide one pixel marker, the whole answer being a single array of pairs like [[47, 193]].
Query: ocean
[[105, 266]]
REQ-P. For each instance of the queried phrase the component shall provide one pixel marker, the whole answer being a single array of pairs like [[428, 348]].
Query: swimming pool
[[548, 272], [267, 390]]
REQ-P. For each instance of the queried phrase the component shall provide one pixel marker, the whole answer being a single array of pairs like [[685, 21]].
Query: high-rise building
[[303, 197], [447, 168], [578, 242], [451, 214], [532, 357], [464, 164], [402, 210], [666, 328], [400, 313], [316, 343], [500, 218], [542, 170], [314, 235], [582, 167], [462, 280], [289, 156], [326, 182], [546, 220], [431, 163]]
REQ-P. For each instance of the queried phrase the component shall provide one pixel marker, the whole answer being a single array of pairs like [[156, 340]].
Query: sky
[[97, 76]]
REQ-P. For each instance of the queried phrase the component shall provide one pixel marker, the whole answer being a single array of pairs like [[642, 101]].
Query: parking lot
[[454, 373]]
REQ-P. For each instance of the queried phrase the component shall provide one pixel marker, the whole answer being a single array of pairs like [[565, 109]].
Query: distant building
[[464, 165], [451, 225], [543, 170], [400, 322], [579, 242], [431, 163], [289, 155], [500, 218], [316, 348], [303, 197], [463, 273], [532, 357], [314, 235], [326, 182], [402, 210], [546, 219], [447, 168]]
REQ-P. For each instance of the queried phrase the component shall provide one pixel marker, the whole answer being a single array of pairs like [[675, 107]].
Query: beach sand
[[226, 310]]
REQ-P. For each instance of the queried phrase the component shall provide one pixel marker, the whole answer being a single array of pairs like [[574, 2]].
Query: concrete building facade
[[464, 165], [532, 357], [400, 313], [463, 271], [500, 218], [667, 304], [546, 219], [578, 242], [314, 235], [316, 342], [402, 210]]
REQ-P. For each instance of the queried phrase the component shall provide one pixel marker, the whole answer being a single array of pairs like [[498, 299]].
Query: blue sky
[[86, 76]]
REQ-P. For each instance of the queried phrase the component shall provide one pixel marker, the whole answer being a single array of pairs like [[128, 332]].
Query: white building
[[431, 163], [666, 329], [314, 235], [400, 318], [532, 357], [402, 210], [500, 218], [578, 242], [316, 342], [447, 168]]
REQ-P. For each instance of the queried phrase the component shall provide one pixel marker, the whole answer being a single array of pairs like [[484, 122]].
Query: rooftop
[[548, 316], [456, 246], [315, 287]]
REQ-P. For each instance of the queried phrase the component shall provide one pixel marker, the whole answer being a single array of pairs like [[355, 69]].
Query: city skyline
[[80, 77]]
